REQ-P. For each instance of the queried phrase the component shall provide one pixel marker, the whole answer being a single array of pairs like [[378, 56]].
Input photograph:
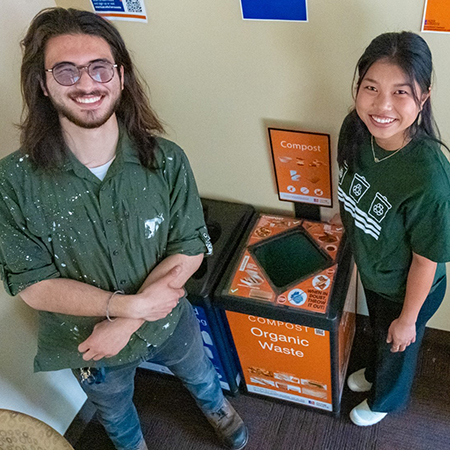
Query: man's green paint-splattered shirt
[[393, 208], [109, 234]]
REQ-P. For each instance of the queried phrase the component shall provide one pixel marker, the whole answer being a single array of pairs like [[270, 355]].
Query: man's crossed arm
[[156, 298]]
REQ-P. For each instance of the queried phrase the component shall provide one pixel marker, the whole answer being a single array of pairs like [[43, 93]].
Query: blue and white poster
[[277, 10], [120, 9]]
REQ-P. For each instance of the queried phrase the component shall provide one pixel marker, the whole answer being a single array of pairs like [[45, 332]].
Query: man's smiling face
[[87, 103]]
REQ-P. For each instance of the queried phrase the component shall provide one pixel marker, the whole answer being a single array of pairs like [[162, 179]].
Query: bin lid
[[226, 223], [250, 283]]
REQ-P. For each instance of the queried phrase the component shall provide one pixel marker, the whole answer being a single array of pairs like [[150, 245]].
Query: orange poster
[[302, 166], [284, 360], [436, 16]]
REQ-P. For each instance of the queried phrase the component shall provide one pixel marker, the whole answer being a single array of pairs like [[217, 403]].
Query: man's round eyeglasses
[[67, 74]]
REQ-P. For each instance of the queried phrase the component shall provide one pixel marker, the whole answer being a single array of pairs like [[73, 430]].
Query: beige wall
[[218, 82], [52, 397]]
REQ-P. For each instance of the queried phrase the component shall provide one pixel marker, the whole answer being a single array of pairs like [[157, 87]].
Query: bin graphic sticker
[[209, 346]]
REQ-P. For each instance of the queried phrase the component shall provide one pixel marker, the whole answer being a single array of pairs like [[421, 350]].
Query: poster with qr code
[[133, 10]]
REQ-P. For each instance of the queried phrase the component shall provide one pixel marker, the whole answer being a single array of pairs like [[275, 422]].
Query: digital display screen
[[289, 257]]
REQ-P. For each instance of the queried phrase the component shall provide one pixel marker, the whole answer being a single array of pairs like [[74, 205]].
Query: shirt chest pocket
[[141, 225]]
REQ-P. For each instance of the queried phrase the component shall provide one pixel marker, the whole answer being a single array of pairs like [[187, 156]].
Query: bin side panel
[[283, 360], [347, 328]]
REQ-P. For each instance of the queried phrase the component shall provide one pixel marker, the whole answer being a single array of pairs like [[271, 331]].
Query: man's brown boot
[[229, 427]]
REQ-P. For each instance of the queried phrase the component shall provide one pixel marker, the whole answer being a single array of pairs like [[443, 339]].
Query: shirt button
[[123, 281], [115, 252], [109, 221]]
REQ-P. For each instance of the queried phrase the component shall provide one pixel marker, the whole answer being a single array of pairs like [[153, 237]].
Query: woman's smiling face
[[386, 103]]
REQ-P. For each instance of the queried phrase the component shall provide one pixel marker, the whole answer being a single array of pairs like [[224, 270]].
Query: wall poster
[[436, 16], [276, 10], [132, 10]]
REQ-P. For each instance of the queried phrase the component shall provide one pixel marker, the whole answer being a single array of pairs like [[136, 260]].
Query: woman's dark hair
[[41, 134], [411, 53]]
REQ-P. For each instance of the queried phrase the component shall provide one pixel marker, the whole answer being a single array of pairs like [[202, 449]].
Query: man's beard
[[62, 110]]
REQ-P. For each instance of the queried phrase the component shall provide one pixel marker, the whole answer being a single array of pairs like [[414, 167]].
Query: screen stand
[[305, 211]]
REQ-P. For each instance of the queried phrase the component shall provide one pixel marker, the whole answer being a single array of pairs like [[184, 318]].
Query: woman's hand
[[402, 331], [401, 334]]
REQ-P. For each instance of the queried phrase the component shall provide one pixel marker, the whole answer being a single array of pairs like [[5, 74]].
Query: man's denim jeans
[[183, 354]]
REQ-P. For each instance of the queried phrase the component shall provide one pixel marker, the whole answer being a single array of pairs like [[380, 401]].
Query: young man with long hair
[[102, 225]]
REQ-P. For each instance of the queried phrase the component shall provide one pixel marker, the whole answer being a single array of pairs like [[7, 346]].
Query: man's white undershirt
[[100, 171]]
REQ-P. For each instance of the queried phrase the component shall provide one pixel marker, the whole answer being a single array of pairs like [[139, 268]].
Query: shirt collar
[[125, 153]]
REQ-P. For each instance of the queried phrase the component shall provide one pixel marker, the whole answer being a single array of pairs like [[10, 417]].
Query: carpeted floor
[[171, 421]]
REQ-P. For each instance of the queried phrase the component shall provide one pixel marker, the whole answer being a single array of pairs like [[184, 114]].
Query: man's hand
[[157, 299], [401, 335], [108, 339]]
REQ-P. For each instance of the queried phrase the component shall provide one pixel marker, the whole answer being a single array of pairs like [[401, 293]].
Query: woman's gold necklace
[[377, 160]]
